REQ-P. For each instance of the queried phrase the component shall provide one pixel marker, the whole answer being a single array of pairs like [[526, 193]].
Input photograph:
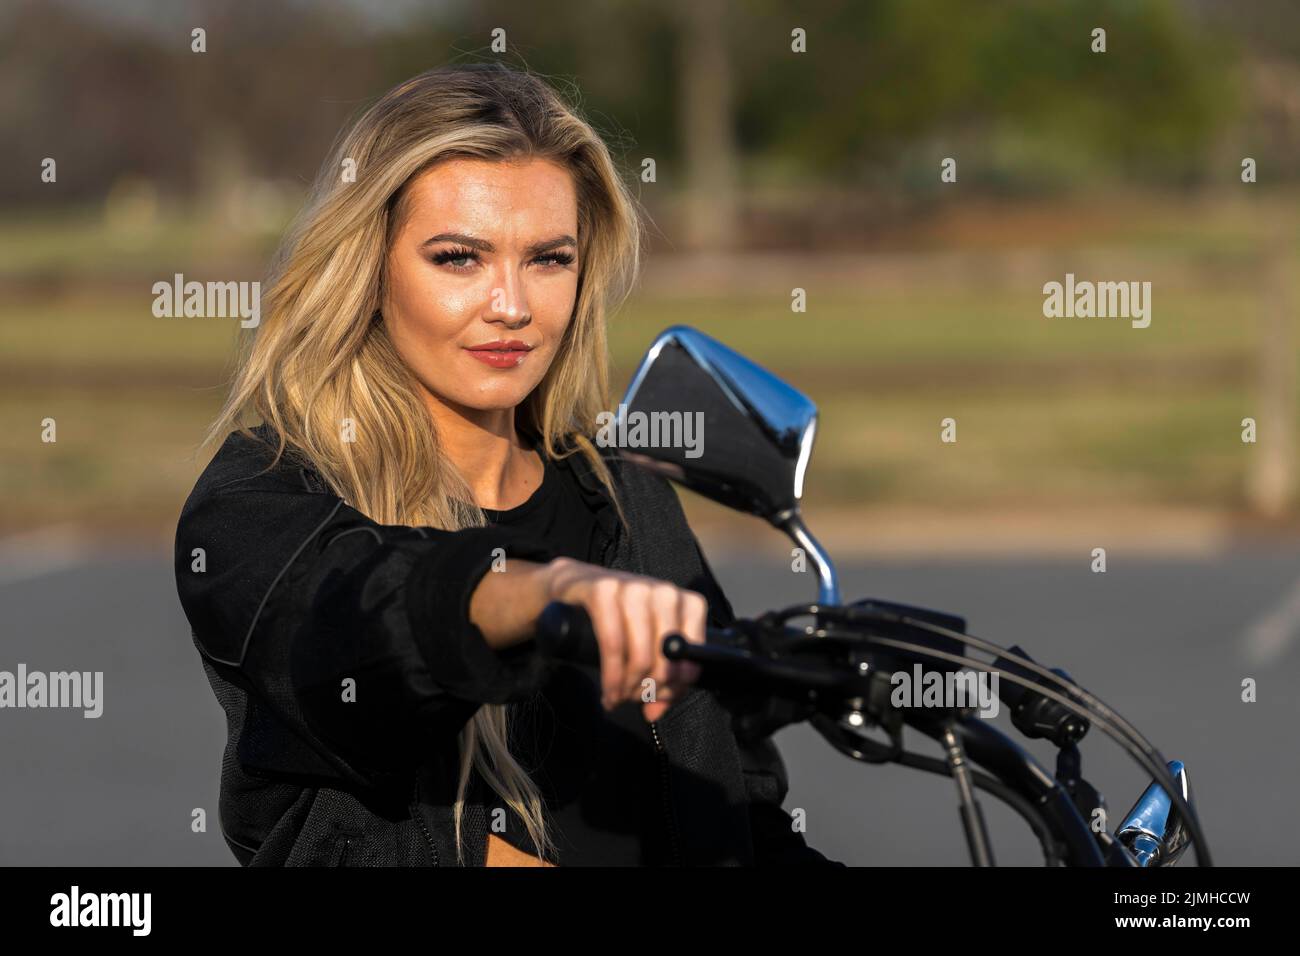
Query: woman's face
[[483, 277]]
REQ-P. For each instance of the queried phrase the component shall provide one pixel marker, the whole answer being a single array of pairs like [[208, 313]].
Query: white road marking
[[1267, 638]]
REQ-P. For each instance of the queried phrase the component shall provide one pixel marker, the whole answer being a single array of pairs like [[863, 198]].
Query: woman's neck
[[501, 470]]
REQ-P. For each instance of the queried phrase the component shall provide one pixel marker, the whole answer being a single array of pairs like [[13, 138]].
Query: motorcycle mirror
[[1153, 831], [712, 420]]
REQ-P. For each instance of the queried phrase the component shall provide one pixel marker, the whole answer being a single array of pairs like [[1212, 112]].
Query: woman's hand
[[630, 615]]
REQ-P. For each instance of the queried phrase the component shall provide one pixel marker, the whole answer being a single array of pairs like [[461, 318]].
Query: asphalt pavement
[[1165, 641]]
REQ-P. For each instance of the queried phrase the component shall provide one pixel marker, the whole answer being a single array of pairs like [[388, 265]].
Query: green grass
[[868, 328], [111, 331], [80, 244], [1050, 412]]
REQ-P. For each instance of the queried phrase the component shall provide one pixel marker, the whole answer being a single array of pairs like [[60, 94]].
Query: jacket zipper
[[419, 818], [667, 797]]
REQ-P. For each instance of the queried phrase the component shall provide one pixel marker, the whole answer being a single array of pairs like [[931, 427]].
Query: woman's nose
[[509, 303]]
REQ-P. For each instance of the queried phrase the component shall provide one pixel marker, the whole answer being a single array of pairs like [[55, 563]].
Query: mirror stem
[[828, 585]]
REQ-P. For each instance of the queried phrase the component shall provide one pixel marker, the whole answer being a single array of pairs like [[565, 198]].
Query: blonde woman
[[407, 477]]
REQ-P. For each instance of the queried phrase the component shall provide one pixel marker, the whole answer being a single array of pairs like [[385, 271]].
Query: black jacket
[[289, 591]]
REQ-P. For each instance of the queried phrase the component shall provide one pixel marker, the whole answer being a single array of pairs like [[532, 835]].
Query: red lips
[[513, 345], [501, 353]]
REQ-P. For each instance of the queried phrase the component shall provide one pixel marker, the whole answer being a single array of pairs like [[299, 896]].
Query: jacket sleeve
[[775, 839], [354, 635]]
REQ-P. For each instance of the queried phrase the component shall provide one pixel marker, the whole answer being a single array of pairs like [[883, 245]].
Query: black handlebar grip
[[676, 647], [564, 632]]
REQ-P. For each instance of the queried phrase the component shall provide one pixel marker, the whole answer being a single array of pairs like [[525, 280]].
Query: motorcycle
[[835, 664]]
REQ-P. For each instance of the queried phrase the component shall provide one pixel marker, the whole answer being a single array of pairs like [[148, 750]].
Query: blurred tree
[[884, 91], [1014, 82], [704, 103]]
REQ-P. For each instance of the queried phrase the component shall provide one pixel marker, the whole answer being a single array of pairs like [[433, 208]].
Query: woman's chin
[[497, 399]]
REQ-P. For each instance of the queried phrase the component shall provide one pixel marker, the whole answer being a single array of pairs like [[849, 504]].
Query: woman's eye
[[556, 258], [458, 259]]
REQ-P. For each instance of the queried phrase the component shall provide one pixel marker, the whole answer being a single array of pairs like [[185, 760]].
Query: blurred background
[[775, 170]]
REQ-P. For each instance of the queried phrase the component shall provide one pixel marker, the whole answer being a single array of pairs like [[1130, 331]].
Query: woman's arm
[[355, 635]]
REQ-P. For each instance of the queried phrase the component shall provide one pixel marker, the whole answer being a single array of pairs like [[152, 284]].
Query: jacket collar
[[598, 501]]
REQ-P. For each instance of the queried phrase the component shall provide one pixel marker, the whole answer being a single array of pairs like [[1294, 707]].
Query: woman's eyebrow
[[484, 246]]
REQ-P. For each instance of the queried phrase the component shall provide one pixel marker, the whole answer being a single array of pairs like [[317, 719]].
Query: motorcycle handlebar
[[753, 661], [564, 632]]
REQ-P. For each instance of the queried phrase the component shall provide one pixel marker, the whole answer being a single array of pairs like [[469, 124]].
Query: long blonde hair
[[321, 353]]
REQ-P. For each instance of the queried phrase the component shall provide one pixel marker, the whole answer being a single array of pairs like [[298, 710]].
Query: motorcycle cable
[[1099, 708], [1148, 763], [1113, 724]]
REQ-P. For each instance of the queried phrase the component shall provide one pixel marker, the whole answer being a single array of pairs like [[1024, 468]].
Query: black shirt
[[555, 514], [597, 772]]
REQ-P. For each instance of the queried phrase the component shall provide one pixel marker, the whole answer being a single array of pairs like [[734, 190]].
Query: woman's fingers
[[694, 627], [639, 621], [666, 608], [606, 612], [631, 615]]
